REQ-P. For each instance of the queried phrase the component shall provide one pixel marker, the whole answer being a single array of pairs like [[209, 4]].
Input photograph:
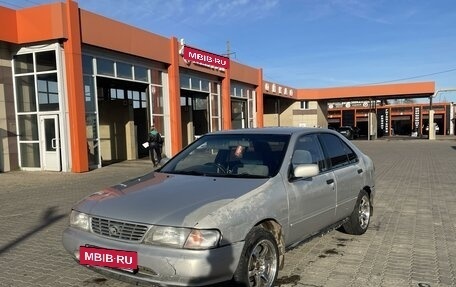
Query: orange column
[[75, 91], [259, 100], [226, 101], [174, 98]]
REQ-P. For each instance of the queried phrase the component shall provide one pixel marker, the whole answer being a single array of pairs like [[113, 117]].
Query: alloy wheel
[[364, 212], [262, 264]]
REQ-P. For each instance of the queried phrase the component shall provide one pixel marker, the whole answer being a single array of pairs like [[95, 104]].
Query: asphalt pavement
[[411, 240]]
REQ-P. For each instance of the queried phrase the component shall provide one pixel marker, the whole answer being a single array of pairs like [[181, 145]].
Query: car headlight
[[182, 237], [79, 220]]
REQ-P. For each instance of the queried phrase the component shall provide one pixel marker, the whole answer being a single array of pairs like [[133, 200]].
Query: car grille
[[118, 229]]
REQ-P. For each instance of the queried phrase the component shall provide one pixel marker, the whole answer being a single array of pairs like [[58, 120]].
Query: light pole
[[431, 111]]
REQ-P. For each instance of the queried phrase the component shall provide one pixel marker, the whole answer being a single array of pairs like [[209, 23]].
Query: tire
[[360, 218], [259, 262]]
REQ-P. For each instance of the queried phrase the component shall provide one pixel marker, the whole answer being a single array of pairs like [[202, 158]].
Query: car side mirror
[[306, 170]]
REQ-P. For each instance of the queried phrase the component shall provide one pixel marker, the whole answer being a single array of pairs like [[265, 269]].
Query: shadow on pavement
[[49, 217]]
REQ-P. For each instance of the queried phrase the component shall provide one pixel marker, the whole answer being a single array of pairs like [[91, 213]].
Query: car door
[[312, 200], [347, 171]]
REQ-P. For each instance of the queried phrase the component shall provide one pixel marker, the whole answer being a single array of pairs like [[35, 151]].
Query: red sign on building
[[205, 58]]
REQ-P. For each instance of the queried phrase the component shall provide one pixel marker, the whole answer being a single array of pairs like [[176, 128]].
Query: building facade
[[79, 91], [411, 119]]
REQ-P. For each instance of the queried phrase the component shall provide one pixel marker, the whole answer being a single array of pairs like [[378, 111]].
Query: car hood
[[167, 199]]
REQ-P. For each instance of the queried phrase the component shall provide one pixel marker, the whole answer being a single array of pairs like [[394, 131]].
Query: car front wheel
[[258, 266], [359, 219]]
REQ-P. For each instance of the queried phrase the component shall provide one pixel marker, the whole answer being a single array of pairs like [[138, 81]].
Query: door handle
[[360, 171], [53, 143], [330, 181]]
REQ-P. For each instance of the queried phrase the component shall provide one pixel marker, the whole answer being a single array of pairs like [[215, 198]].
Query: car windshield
[[231, 155]]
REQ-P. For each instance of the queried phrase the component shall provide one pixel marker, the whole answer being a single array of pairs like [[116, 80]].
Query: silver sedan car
[[225, 209]]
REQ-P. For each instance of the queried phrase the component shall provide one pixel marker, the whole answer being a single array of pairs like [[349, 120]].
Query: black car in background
[[349, 132]]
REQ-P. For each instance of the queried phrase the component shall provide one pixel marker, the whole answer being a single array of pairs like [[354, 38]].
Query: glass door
[[50, 142], [238, 114]]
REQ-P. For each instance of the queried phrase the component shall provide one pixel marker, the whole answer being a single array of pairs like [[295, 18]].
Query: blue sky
[[307, 43]]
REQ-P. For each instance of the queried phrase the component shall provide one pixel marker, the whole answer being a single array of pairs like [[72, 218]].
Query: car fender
[[238, 217]]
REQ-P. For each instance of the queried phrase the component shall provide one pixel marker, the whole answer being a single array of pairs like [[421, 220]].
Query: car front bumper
[[159, 265]]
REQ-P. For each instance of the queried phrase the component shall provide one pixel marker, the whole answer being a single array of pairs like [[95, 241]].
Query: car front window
[[231, 155], [311, 145]]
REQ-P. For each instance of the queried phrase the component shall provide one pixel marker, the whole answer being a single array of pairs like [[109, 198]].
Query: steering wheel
[[220, 168]]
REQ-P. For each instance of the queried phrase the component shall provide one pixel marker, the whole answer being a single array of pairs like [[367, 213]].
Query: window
[[195, 84], [352, 157], [89, 94], [23, 63], [156, 77], [105, 67], [233, 155], [241, 90], [335, 150], [157, 100], [30, 154], [117, 94], [87, 66], [309, 150], [135, 95], [25, 94], [45, 61], [138, 99], [91, 126], [28, 127], [141, 74], [48, 92], [124, 70], [185, 81], [205, 85], [305, 105], [232, 90], [215, 105], [200, 104]]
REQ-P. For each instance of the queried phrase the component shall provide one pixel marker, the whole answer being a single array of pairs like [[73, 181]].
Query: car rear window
[[338, 152]]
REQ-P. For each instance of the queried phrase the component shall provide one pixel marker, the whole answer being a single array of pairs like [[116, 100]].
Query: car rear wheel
[[359, 219], [258, 266]]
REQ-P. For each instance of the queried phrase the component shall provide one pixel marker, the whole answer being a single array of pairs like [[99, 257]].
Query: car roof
[[271, 130]]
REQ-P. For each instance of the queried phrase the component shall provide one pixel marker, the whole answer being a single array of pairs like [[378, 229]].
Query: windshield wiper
[[231, 175], [188, 172], [252, 176], [246, 175]]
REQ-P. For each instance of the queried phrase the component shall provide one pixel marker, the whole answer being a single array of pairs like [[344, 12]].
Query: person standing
[[155, 145]]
